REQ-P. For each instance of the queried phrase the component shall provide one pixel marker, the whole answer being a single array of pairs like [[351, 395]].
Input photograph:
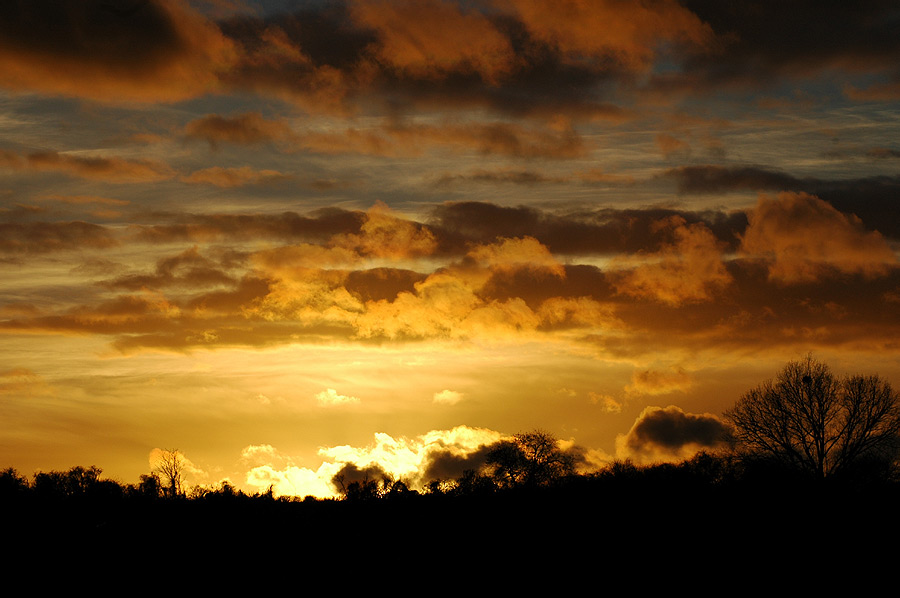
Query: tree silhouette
[[77, 481], [529, 459], [811, 421], [170, 466]]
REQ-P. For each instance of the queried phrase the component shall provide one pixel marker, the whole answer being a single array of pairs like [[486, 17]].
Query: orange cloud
[[234, 177], [434, 38], [688, 269], [803, 238], [385, 235], [656, 382], [272, 59], [515, 254], [627, 33]]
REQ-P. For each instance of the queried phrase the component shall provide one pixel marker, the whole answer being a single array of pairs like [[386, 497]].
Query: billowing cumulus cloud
[[459, 281], [870, 198], [516, 254], [448, 303], [803, 238], [383, 234], [690, 268], [435, 455], [670, 434]]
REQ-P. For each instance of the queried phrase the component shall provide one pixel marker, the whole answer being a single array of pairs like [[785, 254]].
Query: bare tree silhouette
[[170, 466], [810, 420]]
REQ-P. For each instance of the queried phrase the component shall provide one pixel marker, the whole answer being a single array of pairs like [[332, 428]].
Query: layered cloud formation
[[360, 276]]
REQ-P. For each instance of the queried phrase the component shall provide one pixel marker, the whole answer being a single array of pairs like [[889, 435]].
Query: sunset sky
[[286, 236]]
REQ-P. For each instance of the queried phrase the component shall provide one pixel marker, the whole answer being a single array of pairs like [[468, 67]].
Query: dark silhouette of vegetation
[[808, 421], [170, 468], [529, 459], [523, 492]]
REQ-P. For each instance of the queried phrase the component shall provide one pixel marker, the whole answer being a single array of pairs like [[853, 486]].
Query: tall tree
[[808, 419], [170, 466]]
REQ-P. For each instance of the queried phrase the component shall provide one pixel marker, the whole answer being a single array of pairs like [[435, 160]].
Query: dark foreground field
[[648, 531]]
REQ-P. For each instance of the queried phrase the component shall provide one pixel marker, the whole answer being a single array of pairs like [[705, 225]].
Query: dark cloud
[[518, 57], [137, 50], [188, 269], [719, 179], [44, 237], [873, 199], [245, 129], [446, 464], [351, 473], [843, 310], [380, 284], [248, 290], [670, 433], [761, 41], [318, 226], [602, 231], [110, 169], [518, 177]]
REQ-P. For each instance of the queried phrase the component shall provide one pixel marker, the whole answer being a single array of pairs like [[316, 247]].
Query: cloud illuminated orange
[[804, 238]]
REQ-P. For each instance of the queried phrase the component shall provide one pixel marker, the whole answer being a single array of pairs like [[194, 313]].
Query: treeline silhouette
[[81, 498], [718, 506], [754, 496]]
